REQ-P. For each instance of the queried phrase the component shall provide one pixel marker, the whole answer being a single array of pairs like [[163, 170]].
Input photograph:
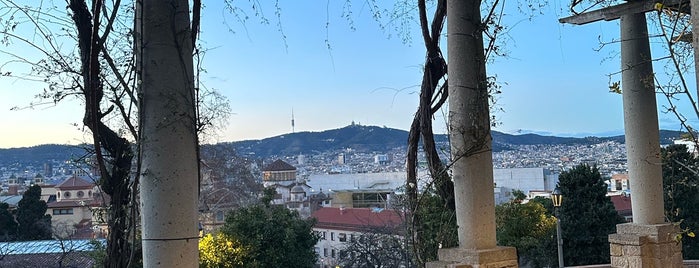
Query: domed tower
[[298, 194], [13, 185], [39, 180]]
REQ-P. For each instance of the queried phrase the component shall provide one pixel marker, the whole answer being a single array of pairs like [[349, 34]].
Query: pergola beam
[[615, 12]]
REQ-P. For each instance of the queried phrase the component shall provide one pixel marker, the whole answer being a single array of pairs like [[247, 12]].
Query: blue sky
[[553, 80]]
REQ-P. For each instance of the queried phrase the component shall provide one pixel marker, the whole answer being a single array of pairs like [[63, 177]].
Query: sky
[[330, 71]]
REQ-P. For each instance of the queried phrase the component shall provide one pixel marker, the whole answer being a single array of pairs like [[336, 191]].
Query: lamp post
[[557, 199]]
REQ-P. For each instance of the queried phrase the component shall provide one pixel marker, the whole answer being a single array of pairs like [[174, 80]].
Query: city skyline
[[554, 79]]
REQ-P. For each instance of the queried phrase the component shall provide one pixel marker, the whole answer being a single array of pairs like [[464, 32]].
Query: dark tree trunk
[[114, 181]]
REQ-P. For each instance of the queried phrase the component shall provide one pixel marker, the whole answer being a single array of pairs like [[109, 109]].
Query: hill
[[357, 137], [381, 139], [41, 154]]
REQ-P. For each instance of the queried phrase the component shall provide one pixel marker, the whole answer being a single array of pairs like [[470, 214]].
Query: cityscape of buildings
[[342, 182]]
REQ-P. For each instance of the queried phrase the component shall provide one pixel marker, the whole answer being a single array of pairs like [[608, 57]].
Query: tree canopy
[[275, 236], [32, 221], [680, 194], [8, 225], [587, 216], [530, 229], [221, 251]]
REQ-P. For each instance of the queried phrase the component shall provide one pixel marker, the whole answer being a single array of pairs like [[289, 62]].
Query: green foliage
[[546, 202], [268, 196], [518, 195], [680, 193], [221, 251], [274, 235], [8, 226], [587, 216], [380, 248], [530, 229], [437, 226], [98, 253], [33, 223]]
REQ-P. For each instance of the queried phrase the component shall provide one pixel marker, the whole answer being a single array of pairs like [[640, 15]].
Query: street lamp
[[557, 199]]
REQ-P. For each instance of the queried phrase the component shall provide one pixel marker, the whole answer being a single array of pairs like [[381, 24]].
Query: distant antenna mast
[[292, 120]]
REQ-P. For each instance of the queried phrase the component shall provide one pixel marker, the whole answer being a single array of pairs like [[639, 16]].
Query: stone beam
[[631, 7]]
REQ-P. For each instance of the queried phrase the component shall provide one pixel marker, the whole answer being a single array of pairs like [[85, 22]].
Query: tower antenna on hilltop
[[292, 120]]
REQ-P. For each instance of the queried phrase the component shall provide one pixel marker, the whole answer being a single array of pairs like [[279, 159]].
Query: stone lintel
[[498, 257]]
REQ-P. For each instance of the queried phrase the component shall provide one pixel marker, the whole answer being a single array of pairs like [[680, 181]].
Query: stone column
[[648, 242], [469, 130], [641, 122], [695, 39]]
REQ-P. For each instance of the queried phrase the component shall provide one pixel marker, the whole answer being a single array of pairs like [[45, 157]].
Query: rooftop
[[74, 182], [279, 165], [356, 219]]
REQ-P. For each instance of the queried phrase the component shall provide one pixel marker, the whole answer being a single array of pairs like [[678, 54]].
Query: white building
[[72, 212], [527, 180], [338, 226]]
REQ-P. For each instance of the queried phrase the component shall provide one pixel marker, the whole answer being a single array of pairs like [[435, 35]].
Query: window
[[351, 237], [342, 237], [332, 236], [63, 211], [219, 215], [58, 194], [81, 194], [324, 233], [332, 253], [325, 252], [66, 195]]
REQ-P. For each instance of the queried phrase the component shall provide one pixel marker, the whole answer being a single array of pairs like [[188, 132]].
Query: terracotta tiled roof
[[279, 165], [620, 176], [356, 219], [622, 204], [74, 182]]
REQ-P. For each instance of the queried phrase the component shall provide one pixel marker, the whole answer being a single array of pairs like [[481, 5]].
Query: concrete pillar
[[168, 141], [648, 242], [469, 130], [695, 40], [641, 121]]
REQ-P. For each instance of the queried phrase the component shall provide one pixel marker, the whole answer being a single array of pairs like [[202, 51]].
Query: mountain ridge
[[356, 137]]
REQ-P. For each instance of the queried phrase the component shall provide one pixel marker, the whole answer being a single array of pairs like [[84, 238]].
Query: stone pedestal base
[[645, 246], [499, 257]]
